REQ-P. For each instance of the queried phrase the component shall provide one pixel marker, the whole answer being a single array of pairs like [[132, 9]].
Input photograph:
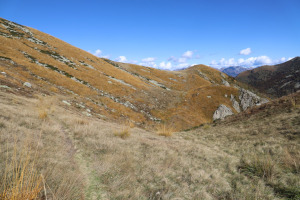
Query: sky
[[169, 34]]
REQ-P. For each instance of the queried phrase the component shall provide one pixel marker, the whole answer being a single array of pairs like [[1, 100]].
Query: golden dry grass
[[21, 180], [123, 133], [165, 130], [49, 153], [82, 159], [178, 106]]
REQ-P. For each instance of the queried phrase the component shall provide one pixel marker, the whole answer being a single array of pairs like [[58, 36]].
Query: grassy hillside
[[108, 89], [253, 155], [75, 126], [275, 80]]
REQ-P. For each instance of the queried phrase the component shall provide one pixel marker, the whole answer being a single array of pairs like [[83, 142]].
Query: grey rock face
[[235, 104], [27, 84], [223, 75], [249, 99], [225, 83], [222, 112]]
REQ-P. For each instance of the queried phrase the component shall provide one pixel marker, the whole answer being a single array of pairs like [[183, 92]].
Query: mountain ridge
[[274, 80], [109, 89], [234, 70]]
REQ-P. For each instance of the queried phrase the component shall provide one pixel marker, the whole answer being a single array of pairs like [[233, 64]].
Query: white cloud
[[181, 60], [121, 59], [150, 59], [182, 65], [173, 59], [249, 62], [164, 65], [133, 61], [187, 54], [106, 56], [150, 62], [98, 53], [246, 51]]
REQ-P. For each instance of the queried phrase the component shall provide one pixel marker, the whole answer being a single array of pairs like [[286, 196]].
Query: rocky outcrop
[[224, 82], [222, 112], [235, 104], [249, 99]]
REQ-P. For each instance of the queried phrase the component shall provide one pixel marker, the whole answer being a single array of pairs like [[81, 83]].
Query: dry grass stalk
[[261, 166], [165, 130], [45, 106], [21, 180], [291, 161], [123, 133]]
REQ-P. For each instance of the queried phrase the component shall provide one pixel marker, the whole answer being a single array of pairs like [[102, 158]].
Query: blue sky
[[169, 34]]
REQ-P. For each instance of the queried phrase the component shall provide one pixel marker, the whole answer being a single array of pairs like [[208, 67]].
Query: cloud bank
[[249, 62]]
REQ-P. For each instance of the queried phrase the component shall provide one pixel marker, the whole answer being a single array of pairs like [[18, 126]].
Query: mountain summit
[[233, 70]]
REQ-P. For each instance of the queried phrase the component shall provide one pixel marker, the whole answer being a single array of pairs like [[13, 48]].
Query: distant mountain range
[[274, 80], [234, 70]]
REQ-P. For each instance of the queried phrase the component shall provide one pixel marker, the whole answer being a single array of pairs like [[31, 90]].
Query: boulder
[[222, 112], [249, 99], [225, 83], [235, 104]]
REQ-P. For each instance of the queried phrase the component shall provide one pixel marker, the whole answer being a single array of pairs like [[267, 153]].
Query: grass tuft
[[165, 130], [21, 180], [123, 133], [291, 161], [45, 107], [260, 166]]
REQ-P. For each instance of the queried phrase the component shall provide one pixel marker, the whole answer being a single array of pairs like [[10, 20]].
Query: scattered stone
[[4, 86], [87, 114], [101, 116], [172, 79], [223, 75], [80, 105], [222, 112], [27, 84], [209, 97], [88, 110], [225, 95], [66, 102], [109, 82], [297, 85], [4, 73]]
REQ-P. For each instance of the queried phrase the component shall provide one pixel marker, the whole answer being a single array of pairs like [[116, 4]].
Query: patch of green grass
[[4, 58], [291, 192], [2, 125], [260, 166]]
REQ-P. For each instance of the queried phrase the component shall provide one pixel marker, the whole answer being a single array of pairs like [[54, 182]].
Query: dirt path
[[93, 189]]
